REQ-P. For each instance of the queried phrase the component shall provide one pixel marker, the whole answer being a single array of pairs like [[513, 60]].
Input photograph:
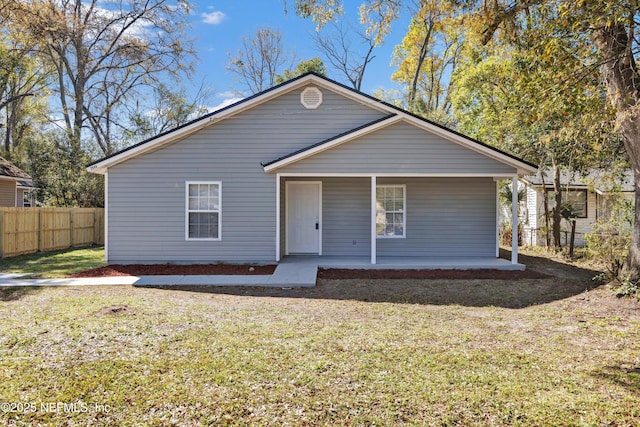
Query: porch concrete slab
[[409, 263]]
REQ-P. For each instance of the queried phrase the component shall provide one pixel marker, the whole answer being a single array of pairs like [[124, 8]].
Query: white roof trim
[[394, 175], [330, 144], [102, 166], [13, 178]]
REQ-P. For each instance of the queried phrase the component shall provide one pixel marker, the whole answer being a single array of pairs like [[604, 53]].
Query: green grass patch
[[326, 356], [49, 265]]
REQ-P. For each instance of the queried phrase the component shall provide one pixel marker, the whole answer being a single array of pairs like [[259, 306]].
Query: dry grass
[[531, 352]]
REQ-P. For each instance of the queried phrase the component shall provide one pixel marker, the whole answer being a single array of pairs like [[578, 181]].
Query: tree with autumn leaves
[[570, 88], [95, 63]]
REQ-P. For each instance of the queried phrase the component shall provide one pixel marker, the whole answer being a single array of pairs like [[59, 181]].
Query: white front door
[[303, 217]]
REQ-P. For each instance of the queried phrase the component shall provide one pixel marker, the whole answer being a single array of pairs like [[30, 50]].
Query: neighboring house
[[15, 185], [308, 167], [587, 196], [26, 197]]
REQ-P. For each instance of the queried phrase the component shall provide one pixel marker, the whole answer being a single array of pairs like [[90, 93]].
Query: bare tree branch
[[337, 47], [102, 53], [260, 59]]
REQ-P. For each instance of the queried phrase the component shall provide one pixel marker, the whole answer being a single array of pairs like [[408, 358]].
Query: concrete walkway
[[286, 275]]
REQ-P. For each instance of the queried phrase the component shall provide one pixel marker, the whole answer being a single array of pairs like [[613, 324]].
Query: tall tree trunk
[[623, 90], [545, 207], [630, 130], [557, 216]]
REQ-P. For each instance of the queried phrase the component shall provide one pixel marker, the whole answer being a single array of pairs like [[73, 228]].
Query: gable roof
[[9, 170], [394, 114], [334, 140]]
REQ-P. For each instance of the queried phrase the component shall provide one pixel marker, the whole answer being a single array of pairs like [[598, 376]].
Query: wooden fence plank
[[28, 230]]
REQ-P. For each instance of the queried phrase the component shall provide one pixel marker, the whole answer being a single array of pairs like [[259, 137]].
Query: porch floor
[[410, 263]]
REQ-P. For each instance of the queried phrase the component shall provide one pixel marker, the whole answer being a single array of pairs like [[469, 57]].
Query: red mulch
[[177, 270], [337, 274], [323, 273]]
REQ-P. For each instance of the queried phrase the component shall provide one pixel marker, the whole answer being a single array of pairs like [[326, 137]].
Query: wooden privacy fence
[[28, 230]]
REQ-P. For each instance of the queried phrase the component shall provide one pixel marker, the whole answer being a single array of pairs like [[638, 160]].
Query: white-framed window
[[27, 199], [576, 200], [203, 216], [391, 202]]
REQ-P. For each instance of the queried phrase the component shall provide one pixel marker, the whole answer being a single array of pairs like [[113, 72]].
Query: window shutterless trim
[[187, 211], [404, 212], [576, 190]]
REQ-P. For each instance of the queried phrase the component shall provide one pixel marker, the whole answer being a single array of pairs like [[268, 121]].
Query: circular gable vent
[[311, 98]]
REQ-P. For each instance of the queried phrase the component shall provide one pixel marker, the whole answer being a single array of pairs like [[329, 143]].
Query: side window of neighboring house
[[27, 198], [203, 216], [577, 199]]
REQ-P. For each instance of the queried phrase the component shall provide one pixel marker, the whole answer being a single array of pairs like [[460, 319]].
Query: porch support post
[[514, 220], [106, 216], [497, 217], [374, 248], [278, 218]]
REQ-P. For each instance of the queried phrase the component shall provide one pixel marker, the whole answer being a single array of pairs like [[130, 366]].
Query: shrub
[[609, 241], [504, 231], [628, 288]]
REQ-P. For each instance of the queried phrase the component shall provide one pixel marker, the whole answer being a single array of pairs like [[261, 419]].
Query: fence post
[[40, 230], [1, 234], [573, 237], [70, 227]]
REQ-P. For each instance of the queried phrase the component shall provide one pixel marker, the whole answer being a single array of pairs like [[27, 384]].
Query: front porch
[[345, 221], [408, 263]]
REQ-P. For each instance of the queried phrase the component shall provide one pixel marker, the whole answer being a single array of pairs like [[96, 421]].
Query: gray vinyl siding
[[147, 193], [19, 197], [446, 217], [7, 193], [399, 148], [346, 216]]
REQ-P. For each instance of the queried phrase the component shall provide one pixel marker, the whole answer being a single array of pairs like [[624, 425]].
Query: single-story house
[[587, 195], [307, 167], [15, 185]]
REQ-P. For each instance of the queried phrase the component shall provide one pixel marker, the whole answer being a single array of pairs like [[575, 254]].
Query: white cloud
[[213, 18], [228, 94], [224, 103]]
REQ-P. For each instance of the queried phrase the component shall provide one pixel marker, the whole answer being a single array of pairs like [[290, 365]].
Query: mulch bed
[[339, 274], [323, 273], [177, 270]]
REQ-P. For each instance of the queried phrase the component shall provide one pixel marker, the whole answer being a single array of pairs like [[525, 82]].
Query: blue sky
[[218, 28]]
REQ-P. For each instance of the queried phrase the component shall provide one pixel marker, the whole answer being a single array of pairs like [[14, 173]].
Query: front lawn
[[348, 352], [51, 265]]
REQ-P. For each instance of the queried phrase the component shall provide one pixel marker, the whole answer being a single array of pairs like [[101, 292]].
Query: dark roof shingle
[[9, 169]]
